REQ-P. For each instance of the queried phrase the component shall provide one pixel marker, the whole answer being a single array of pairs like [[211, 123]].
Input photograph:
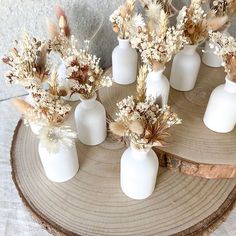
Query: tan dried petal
[[118, 128], [137, 127]]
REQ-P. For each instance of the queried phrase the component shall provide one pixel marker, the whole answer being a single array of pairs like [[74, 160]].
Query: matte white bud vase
[[124, 63], [185, 68], [60, 166], [63, 81], [90, 120], [220, 114], [209, 56], [158, 87], [138, 172]]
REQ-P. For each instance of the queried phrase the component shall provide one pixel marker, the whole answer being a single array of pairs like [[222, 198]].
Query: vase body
[[63, 81], [209, 57], [124, 63], [158, 87], [60, 166], [185, 68], [220, 114], [138, 172], [90, 120]]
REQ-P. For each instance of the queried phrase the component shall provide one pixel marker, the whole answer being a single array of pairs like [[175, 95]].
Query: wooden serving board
[[93, 204], [194, 149]]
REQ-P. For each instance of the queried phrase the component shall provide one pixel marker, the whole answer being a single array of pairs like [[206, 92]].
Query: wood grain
[[92, 203], [194, 149]]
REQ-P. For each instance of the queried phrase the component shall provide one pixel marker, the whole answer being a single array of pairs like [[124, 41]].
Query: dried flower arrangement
[[150, 5], [124, 20], [141, 121], [225, 47], [28, 61], [85, 73], [196, 23], [156, 40], [60, 40]]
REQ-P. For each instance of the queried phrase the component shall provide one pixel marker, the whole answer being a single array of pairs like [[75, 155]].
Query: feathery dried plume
[[22, 106], [141, 83], [143, 123], [62, 21], [169, 9], [52, 29]]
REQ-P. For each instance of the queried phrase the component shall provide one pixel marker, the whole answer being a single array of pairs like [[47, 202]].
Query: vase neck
[[124, 43], [88, 103], [189, 49], [229, 86], [156, 75], [139, 154]]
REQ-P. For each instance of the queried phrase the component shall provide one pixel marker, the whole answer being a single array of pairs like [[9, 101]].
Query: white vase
[[60, 166], [158, 87], [209, 57], [138, 172], [90, 120], [185, 68], [35, 128], [124, 63], [63, 81], [220, 114]]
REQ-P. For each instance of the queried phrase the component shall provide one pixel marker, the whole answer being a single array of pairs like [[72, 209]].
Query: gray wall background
[[84, 17]]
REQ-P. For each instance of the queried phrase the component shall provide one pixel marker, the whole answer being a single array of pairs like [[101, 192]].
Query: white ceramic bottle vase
[[60, 166], [209, 57], [138, 172], [157, 86], [90, 120], [220, 114], [124, 63], [185, 68]]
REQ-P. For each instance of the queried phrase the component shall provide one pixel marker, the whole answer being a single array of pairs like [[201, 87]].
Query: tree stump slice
[[93, 204], [194, 149]]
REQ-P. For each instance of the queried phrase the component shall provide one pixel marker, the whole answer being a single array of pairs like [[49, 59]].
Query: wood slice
[[194, 149], [93, 204]]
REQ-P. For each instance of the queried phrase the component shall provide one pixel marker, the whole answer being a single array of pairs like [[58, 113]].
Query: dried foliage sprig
[[225, 47], [28, 61], [156, 40], [84, 71], [196, 23], [54, 136], [144, 123], [124, 20]]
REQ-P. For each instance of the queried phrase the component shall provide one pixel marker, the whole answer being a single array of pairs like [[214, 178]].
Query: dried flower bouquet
[[226, 49], [156, 40], [85, 73], [28, 60], [141, 121], [123, 19], [196, 23]]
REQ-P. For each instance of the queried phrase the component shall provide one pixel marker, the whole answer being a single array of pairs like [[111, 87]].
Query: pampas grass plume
[[21, 105]]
